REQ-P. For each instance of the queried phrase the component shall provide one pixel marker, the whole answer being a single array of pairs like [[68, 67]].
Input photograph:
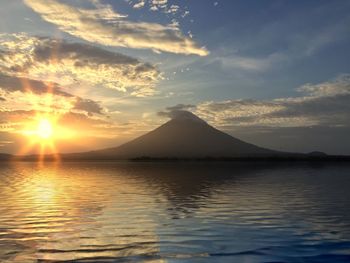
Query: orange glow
[[44, 132]]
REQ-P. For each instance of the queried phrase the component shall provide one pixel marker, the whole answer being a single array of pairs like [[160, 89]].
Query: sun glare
[[43, 133], [44, 129], [41, 130]]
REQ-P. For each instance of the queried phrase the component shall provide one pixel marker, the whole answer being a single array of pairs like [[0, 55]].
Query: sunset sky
[[274, 73]]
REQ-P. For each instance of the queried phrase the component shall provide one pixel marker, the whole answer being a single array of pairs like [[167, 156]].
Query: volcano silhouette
[[184, 136]]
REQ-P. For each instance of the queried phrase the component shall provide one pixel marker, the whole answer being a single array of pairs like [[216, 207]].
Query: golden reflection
[[69, 211]]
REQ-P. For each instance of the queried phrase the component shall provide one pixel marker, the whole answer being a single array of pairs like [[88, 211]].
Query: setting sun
[[41, 129], [45, 133], [47, 128], [44, 129]]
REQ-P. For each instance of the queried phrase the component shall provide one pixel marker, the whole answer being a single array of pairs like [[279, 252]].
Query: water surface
[[174, 212]]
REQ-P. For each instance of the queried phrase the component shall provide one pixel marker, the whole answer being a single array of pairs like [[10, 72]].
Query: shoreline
[[267, 159]]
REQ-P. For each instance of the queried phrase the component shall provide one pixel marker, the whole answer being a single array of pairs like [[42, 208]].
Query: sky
[[102, 72]]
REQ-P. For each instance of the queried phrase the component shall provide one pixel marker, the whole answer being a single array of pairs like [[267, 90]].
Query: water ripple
[[144, 212]]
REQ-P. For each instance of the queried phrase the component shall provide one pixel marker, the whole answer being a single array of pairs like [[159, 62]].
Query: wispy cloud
[[107, 27], [255, 64]]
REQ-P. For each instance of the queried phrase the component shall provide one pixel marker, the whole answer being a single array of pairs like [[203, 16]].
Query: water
[[174, 212]]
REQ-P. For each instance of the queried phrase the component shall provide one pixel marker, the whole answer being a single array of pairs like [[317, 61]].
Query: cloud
[[180, 107], [140, 4], [12, 84], [181, 115], [164, 6], [159, 2], [231, 62], [179, 111], [88, 105], [325, 104], [34, 91], [19, 117], [10, 120], [3, 143], [114, 29], [75, 63], [338, 87]]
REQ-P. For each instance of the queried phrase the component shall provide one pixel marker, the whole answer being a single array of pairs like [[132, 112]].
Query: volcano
[[184, 136]]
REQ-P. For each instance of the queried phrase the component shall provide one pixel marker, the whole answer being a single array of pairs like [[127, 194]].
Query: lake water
[[174, 212]]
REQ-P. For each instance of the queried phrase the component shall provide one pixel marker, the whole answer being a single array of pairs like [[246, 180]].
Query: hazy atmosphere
[[274, 73]]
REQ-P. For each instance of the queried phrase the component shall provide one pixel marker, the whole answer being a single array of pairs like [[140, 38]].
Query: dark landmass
[[185, 138], [5, 157], [317, 154], [294, 158], [269, 159]]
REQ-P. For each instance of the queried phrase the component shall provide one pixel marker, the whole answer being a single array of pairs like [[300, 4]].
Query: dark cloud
[[180, 107], [12, 84], [81, 121], [330, 110], [178, 111], [89, 106], [51, 49]]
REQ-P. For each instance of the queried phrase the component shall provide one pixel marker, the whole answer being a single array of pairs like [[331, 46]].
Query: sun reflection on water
[[63, 216]]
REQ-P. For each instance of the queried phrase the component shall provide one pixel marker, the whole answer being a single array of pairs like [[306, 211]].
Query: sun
[[44, 133], [44, 130], [41, 129]]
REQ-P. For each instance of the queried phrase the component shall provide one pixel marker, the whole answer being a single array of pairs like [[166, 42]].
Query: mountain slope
[[185, 136]]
